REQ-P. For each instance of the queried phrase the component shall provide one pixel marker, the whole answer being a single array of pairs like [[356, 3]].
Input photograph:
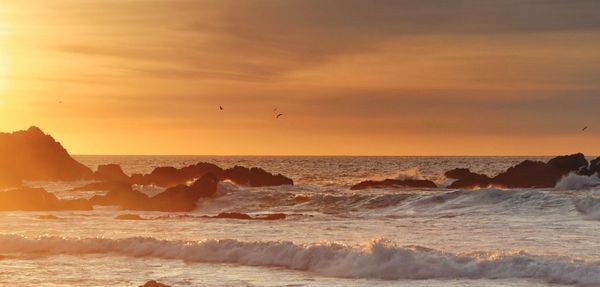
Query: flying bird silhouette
[[220, 108], [278, 115], [583, 130]]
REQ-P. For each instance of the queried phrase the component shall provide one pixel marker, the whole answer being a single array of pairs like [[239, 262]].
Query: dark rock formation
[[111, 173], [233, 215], [594, 168], [254, 177], [33, 155], [184, 198], [37, 199], [153, 283], [129, 217], [178, 198], [123, 196], [170, 176], [466, 178], [395, 183], [527, 174]]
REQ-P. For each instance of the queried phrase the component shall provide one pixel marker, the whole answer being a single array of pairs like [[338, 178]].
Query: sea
[[332, 236]]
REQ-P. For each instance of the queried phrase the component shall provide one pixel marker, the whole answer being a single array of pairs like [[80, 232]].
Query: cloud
[[269, 39]]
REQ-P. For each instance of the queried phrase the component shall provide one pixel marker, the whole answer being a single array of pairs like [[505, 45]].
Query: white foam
[[379, 259], [588, 206], [574, 181]]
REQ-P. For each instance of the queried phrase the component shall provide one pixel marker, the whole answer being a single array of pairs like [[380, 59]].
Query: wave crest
[[379, 259]]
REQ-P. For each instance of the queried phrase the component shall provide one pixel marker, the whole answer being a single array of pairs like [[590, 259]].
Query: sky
[[351, 77]]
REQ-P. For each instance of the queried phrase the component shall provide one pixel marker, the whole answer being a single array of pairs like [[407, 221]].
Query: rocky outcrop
[[38, 199], [34, 155], [417, 183], [110, 172], [169, 176], [527, 174], [465, 178], [179, 198], [153, 283], [255, 177]]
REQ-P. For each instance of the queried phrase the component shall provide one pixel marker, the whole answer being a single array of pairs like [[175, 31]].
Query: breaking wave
[[576, 182], [379, 259]]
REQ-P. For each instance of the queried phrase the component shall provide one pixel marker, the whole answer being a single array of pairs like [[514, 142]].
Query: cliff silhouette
[[32, 155]]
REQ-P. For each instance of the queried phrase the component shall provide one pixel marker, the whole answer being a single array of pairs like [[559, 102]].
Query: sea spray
[[379, 259]]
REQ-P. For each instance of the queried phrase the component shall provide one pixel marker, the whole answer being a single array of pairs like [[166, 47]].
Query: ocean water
[[332, 237]]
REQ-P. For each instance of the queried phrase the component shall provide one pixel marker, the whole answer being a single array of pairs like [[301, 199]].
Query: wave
[[588, 206], [577, 182], [406, 203], [379, 259]]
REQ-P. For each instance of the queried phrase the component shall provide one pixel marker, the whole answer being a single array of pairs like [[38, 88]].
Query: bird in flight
[[583, 130], [221, 108], [278, 115]]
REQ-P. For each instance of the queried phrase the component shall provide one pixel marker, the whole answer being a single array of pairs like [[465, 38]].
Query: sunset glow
[[139, 76]]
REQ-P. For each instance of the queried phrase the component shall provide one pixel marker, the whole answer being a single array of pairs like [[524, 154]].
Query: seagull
[[221, 108], [583, 130], [279, 115]]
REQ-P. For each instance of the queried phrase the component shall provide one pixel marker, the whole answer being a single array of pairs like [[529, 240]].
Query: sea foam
[[379, 259]]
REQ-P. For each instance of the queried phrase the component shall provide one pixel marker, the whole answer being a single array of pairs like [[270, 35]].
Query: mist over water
[[332, 236]]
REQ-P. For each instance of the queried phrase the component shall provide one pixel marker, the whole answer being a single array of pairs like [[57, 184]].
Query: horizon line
[[326, 155]]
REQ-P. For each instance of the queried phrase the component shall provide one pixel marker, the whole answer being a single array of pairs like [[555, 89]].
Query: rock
[[569, 163], [129, 217], [153, 283], [527, 174], [254, 177], [395, 183], [233, 215], [110, 173], [38, 199], [184, 198], [466, 178], [124, 196], [593, 168], [170, 176], [274, 216], [179, 198], [33, 155]]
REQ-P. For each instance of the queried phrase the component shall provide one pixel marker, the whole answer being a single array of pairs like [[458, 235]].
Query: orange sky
[[352, 77]]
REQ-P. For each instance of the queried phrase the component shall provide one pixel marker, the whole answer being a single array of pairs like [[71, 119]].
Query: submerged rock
[[34, 155], [233, 215], [465, 178], [38, 199], [169, 176], [418, 183], [254, 177], [153, 283]]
